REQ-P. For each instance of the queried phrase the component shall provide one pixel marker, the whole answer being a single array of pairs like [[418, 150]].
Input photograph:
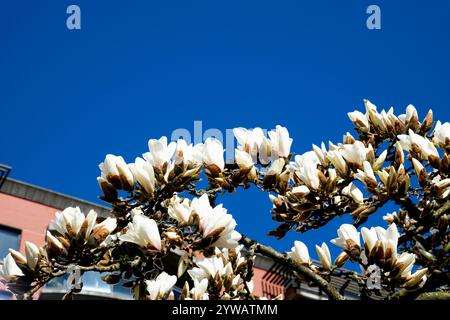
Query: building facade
[[26, 210]]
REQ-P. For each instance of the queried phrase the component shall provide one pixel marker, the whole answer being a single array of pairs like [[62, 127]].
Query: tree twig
[[304, 271]]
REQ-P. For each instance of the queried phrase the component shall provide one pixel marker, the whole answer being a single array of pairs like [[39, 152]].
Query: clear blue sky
[[139, 69]]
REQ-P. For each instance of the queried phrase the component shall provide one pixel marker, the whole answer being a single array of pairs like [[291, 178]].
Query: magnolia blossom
[[300, 190], [101, 231], [305, 167], [144, 174], [188, 154], [386, 238], [68, 222], [405, 263], [249, 140], [160, 152], [441, 134], [160, 287], [347, 237], [213, 154], [299, 253], [144, 232], [338, 161], [209, 268], [280, 141], [116, 172], [216, 223], [375, 118], [321, 154], [324, 255], [243, 159], [390, 217], [366, 176], [417, 278], [355, 153], [31, 258], [32, 254], [360, 120], [180, 210], [54, 244], [9, 269], [425, 146], [71, 222], [353, 192], [199, 291]]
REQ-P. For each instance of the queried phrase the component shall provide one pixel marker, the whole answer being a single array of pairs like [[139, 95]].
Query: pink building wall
[[29, 217]]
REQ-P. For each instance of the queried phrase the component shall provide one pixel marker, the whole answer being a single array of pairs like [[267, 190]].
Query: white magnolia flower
[[9, 269], [366, 176], [243, 159], [213, 153], [324, 254], [280, 141], [387, 238], [300, 190], [216, 223], [180, 210], [346, 233], [360, 120], [160, 152], [144, 232], [376, 118], [406, 262], [391, 233], [144, 174], [209, 267], [71, 222], [417, 278], [338, 161], [100, 231], [380, 160], [321, 154], [369, 237], [305, 167], [199, 291], [299, 253], [390, 217], [425, 146], [441, 134], [116, 172], [31, 257], [249, 140], [160, 287], [32, 254], [355, 153], [411, 114], [353, 192], [265, 151], [188, 154], [54, 244], [68, 222]]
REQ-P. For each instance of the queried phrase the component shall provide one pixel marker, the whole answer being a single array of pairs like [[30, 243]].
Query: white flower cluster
[[380, 248], [214, 223]]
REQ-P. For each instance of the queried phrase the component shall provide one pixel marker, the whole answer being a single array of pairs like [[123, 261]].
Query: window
[[9, 238]]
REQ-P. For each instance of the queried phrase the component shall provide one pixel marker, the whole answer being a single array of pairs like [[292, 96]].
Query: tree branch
[[301, 270]]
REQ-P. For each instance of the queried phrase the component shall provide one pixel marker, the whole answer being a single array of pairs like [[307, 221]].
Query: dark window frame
[[12, 230]]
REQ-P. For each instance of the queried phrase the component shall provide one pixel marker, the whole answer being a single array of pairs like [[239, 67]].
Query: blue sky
[[138, 70]]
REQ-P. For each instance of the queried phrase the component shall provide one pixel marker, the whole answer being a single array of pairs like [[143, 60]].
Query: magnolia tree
[[160, 214]]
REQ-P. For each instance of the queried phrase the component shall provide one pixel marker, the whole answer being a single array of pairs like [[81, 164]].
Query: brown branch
[[440, 295], [444, 208], [304, 271]]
